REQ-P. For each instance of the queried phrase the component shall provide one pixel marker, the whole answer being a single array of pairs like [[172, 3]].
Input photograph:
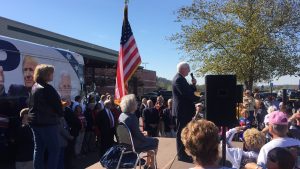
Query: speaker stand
[[223, 128], [238, 110]]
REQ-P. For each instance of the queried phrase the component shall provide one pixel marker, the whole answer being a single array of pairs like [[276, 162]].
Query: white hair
[[271, 109], [128, 104], [64, 74], [180, 65]]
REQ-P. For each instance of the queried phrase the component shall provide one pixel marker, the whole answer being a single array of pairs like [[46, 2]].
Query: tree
[[258, 40], [163, 83]]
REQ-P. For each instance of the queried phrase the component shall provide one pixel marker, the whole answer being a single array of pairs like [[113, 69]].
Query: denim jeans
[[61, 164], [46, 138]]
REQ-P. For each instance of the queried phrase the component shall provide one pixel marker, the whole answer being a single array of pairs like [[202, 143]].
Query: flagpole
[[129, 58]]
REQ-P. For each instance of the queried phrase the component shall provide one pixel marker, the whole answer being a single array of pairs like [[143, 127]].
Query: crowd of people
[[53, 133], [268, 129]]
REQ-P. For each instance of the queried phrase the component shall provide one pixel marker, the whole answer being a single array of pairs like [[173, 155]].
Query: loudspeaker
[[221, 99], [284, 96], [239, 93]]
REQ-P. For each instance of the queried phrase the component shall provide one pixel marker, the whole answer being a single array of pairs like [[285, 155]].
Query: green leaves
[[257, 40]]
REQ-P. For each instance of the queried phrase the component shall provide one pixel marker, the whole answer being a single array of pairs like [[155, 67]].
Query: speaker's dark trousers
[[179, 145]]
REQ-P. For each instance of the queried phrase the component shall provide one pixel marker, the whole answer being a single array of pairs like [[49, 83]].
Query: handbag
[[111, 158]]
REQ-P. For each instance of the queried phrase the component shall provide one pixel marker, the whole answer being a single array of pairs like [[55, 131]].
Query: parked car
[[294, 95], [265, 95], [165, 94], [153, 95]]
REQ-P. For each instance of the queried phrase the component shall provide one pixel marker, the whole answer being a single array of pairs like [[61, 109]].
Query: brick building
[[143, 81], [100, 62]]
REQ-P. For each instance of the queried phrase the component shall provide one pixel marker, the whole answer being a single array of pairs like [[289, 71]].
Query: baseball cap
[[278, 117]]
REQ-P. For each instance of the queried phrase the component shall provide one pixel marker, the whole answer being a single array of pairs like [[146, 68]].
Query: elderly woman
[[253, 141], [201, 141], [141, 142], [45, 111]]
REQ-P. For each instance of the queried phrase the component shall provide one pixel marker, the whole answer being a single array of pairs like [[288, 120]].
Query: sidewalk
[[165, 156]]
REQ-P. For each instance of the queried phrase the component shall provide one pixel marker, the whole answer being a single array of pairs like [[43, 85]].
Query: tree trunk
[[249, 85]]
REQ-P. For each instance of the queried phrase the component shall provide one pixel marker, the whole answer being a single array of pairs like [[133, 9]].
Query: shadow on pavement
[[86, 161]]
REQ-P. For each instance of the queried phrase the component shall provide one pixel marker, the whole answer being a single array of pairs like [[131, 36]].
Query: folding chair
[[125, 138]]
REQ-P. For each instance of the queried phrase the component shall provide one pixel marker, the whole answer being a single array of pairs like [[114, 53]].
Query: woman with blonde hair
[[201, 140], [253, 140], [45, 111]]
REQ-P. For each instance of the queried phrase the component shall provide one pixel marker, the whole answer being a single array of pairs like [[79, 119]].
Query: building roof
[[30, 33]]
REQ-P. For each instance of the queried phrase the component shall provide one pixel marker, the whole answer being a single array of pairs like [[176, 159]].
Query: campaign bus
[[18, 60]]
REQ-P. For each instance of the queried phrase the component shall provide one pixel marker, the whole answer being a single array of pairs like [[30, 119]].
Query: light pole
[[145, 64]]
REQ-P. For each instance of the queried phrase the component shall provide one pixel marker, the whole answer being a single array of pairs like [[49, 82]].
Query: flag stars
[[76, 67], [126, 32], [68, 56]]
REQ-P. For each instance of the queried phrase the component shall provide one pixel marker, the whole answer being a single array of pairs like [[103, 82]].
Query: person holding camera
[[249, 103], [278, 128], [253, 140]]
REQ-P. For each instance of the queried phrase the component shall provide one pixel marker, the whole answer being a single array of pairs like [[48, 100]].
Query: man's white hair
[[180, 65]]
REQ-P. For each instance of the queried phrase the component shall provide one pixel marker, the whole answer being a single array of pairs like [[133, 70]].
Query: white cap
[[199, 104]]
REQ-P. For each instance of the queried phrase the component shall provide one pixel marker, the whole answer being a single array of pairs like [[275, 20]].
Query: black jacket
[[169, 120], [18, 90], [45, 105], [72, 121], [183, 99], [151, 116], [103, 122]]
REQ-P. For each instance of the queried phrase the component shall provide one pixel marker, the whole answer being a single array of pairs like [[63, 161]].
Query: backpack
[[111, 158]]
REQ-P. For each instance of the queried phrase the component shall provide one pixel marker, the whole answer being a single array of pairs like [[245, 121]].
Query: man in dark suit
[[183, 105], [106, 124], [142, 106], [140, 115], [169, 119], [151, 119]]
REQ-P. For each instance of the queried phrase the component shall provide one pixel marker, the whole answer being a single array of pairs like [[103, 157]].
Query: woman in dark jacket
[[45, 110]]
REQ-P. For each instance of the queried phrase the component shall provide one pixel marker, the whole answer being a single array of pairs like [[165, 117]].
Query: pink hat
[[278, 117]]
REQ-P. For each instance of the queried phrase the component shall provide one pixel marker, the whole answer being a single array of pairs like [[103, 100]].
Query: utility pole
[[145, 64]]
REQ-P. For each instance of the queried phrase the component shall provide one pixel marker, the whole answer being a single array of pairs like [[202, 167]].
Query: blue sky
[[99, 22]]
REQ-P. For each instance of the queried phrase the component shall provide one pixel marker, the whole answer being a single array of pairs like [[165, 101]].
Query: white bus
[[18, 60]]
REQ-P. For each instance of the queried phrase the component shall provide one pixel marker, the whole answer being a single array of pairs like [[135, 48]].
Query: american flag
[[129, 58]]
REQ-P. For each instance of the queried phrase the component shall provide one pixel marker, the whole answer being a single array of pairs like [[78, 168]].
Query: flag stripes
[[129, 58]]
